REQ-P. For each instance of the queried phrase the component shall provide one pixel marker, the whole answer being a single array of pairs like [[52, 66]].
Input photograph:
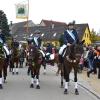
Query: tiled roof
[[15, 26], [49, 33], [55, 23], [80, 28]]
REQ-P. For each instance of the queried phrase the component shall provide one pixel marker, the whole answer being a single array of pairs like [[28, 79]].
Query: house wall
[[86, 37]]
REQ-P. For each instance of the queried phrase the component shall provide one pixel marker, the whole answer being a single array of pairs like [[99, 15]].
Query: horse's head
[[75, 50], [34, 54]]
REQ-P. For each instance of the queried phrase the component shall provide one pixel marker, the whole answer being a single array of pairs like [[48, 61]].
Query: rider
[[2, 37], [2, 40], [37, 39], [48, 50], [70, 36]]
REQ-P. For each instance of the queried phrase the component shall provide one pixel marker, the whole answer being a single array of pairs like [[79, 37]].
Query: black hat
[[37, 32], [70, 24]]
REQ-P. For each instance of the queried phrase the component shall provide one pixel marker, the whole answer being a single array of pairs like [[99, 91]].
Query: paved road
[[18, 88]]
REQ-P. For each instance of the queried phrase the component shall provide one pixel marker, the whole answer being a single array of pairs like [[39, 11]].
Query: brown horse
[[14, 57], [2, 61], [71, 61], [34, 61], [3, 64]]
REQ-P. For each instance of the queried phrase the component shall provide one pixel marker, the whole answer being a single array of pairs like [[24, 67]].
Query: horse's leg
[[5, 71], [66, 77], [44, 65], [32, 77], [1, 87], [58, 70], [75, 80], [13, 68], [37, 78], [66, 83], [62, 75], [29, 70], [10, 66], [17, 67]]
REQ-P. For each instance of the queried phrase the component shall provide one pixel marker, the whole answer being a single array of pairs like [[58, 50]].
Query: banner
[[22, 11]]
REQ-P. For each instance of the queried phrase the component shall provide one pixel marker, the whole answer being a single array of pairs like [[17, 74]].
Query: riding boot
[[99, 73], [88, 73]]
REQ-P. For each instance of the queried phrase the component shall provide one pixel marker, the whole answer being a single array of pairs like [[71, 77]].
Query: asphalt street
[[18, 88]]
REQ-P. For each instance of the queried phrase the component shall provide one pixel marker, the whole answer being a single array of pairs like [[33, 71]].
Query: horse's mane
[[35, 52], [74, 50]]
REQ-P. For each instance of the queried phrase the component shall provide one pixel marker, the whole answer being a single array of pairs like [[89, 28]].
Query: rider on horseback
[[70, 36], [2, 41], [49, 51], [37, 39]]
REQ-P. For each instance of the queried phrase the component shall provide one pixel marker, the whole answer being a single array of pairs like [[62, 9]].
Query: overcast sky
[[82, 11]]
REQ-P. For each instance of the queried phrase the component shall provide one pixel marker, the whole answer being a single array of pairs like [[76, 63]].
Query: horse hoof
[[4, 81], [31, 86], [76, 92], [66, 91], [37, 87], [88, 74], [1, 87], [12, 73], [16, 73], [62, 86], [28, 73], [57, 74]]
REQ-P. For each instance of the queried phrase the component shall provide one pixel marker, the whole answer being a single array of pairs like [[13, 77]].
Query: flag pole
[[27, 18]]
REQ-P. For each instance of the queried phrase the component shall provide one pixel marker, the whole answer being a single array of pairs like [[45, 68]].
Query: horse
[[34, 62], [14, 57], [72, 55], [4, 60], [21, 56], [51, 59]]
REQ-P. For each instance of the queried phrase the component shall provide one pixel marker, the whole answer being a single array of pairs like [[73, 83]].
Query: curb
[[84, 87], [89, 90]]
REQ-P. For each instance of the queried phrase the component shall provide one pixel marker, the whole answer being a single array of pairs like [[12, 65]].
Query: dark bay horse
[[21, 57], [14, 57], [71, 60], [34, 62], [4, 60]]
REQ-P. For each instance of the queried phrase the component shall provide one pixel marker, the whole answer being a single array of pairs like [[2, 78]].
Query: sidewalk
[[92, 83]]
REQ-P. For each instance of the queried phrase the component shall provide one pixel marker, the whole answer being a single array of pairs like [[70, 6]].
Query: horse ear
[[82, 42]]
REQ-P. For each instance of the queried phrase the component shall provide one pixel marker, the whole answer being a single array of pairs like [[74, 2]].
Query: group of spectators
[[91, 60]]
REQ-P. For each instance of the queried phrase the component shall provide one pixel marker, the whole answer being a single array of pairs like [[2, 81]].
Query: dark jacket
[[2, 37], [39, 40], [91, 55], [69, 39], [49, 48]]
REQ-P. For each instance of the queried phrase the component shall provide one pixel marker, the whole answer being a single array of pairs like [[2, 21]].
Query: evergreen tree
[[4, 24], [61, 39]]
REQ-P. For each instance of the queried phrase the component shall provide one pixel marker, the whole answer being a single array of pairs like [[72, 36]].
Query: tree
[[4, 24], [93, 36], [61, 39]]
